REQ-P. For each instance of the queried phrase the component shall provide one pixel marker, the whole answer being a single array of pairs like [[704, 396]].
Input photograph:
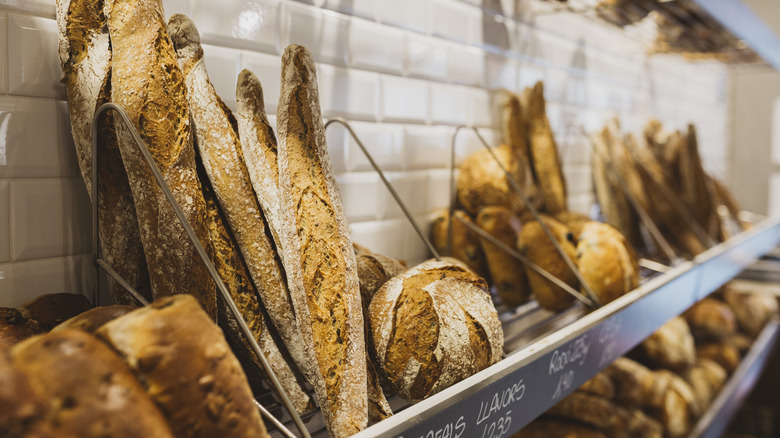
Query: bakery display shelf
[[503, 398], [717, 417]]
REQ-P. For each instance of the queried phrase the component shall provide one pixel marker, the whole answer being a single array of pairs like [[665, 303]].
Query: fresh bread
[[696, 189], [752, 309], [22, 410], [15, 327], [602, 414], [507, 274], [89, 391], [679, 407], [373, 271], [600, 385], [573, 220], [723, 353], [319, 259], [85, 58], [433, 326], [514, 124], [671, 346], [51, 309], [183, 361], [93, 319], [148, 83], [711, 319], [635, 385], [552, 427], [537, 247], [466, 245], [606, 261], [706, 378]]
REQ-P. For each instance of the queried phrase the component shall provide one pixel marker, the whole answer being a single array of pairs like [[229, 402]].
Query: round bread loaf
[[723, 353], [14, 327], [573, 220], [465, 242], [706, 378], [433, 326], [711, 319], [671, 346], [606, 261], [373, 271], [751, 309], [52, 309]]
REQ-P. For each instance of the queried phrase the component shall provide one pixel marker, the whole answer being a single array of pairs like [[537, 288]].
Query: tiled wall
[[407, 72]]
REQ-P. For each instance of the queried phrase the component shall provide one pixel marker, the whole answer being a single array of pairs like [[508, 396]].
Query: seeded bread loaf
[[433, 326], [85, 58], [606, 261], [466, 245], [184, 363], [148, 83], [319, 259], [89, 391]]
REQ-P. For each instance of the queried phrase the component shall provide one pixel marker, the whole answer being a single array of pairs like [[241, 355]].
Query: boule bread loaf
[[185, 364], [722, 352], [613, 419], [706, 378], [606, 261], [679, 407], [600, 385], [373, 271], [148, 83], [433, 326], [318, 254], [671, 346], [466, 245], [752, 309], [85, 58], [507, 274], [51, 309], [711, 319], [88, 390]]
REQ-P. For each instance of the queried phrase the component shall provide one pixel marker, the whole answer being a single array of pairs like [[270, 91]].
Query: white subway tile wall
[[405, 73]]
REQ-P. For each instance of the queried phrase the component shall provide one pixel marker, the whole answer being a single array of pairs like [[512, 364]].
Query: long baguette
[[148, 83], [85, 58], [321, 269]]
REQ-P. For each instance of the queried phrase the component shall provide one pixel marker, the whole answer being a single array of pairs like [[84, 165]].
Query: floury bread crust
[[433, 326], [607, 264], [148, 83], [85, 58], [319, 259]]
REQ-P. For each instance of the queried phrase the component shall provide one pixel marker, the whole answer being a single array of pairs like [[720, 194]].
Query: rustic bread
[[679, 407], [51, 309], [602, 414], [514, 124], [15, 327], [573, 220], [600, 385], [695, 188], [706, 378], [552, 427], [88, 390], [93, 319], [319, 259], [433, 326], [710, 319], [671, 346], [183, 361], [148, 83], [373, 271], [606, 261], [536, 246], [466, 245], [22, 410], [635, 385], [752, 310], [507, 274], [722, 352], [85, 58]]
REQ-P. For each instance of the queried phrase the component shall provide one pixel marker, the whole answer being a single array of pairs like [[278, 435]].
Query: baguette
[[149, 85], [320, 262], [85, 58]]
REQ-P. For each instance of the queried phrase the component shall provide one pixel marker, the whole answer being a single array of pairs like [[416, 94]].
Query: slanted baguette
[[148, 84], [320, 263]]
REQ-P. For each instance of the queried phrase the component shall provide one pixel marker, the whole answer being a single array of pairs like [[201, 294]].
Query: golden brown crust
[[671, 346], [697, 192], [711, 319], [22, 410], [93, 319], [545, 161], [185, 364], [752, 310], [373, 271], [514, 126], [607, 263], [149, 85], [507, 274], [723, 353], [706, 378], [466, 245], [600, 385], [635, 385], [573, 220], [88, 390]]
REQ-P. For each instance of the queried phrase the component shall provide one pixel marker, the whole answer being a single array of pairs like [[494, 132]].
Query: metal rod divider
[[389, 186], [199, 249]]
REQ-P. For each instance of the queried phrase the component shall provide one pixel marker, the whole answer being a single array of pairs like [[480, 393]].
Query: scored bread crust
[[85, 58], [185, 364], [607, 264], [320, 262], [148, 83]]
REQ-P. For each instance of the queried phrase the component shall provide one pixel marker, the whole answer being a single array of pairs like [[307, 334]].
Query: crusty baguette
[[219, 150], [320, 262], [148, 83], [85, 58], [514, 124], [185, 364]]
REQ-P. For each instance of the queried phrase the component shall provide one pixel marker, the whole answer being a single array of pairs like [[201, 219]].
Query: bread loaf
[[507, 274], [433, 326], [751, 309], [606, 261], [573, 220], [148, 83], [93, 319], [85, 58], [711, 319], [514, 125], [679, 408], [723, 353], [600, 385], [51, 309], [373, 271], [466, 245], [536, 246], [706, 378], [319, 259], [22, 410], [183, 361], [696, 189], [600, 413], [88, 390], [635, 385], [551, 427], [671, 346], [15, 327]]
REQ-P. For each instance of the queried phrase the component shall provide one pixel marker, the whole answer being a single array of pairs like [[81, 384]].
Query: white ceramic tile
[[49, 218], [467, 142], [323, 32], [449, 104], [43, 8], [426, 57], [35, 139], [375, 46], [467, 65], [348, 93], [5, 228], [37, 75], [359, 194], [385, 143], [415, 250], [382, 237], [528, 75], [409, 14], [500, 72], [493, 32], [335, 137], [247, 24], [428, 147], [171, 7], [268, 69], [438, 189], [452, 20], [581, 202], [578, 179], [410, 188], [3, 54], [480, 108], [223, 66], [357, 8], [403, 99], [27, 280]]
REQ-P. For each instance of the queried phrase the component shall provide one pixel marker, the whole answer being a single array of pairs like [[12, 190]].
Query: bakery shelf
[[714, 422], [503, 398]]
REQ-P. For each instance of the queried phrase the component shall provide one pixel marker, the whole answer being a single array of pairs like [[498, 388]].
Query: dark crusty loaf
[[93, 319], [466, 245], [52, 309], [85, 58], [433, 326], [88, 389], [606, 261], [22, 410], [147, 81], [319, 259], [182, 359], [16, 327]]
